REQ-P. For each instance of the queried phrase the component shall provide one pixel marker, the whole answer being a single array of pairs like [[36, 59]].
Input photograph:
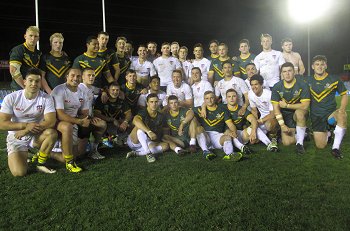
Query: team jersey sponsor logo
[[327, 86], [171, 62], [281, 94], [296, 93], [218, 116], [39, 107], [19, 109], [81, 100]]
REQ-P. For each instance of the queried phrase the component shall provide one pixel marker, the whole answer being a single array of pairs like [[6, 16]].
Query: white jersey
[[161, 96], [268, 63], [143, 70], [198, 90], [70, 102], [204, 65], [27, 110], [235, 83], [262, 103], [91, 93], [187, 67], [165, 67], [183, 93]]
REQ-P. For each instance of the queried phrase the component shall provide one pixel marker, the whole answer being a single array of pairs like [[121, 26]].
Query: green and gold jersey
[[174, 121], [116, 110], [212, 57], [239, 121], [124, 64], [323, 93], [155, 124], [55, 68], [95, 62], [216, 118], [299, 92], [25, 57], [132, 95], [216, 66], [243, 62], [107, 55]]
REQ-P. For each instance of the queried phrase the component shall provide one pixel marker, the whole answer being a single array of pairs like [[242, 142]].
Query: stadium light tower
[[306, 11]]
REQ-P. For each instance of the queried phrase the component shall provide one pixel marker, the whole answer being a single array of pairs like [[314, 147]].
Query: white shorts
[[58, 145], [16, 145], [214, 138]]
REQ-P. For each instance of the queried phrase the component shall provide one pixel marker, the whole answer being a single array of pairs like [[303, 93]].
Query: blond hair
[[56, 35], [33, 28]]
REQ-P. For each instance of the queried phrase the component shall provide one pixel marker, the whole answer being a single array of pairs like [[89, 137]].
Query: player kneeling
[[250, 134], [29, 115], [182, 127], [145, 138]]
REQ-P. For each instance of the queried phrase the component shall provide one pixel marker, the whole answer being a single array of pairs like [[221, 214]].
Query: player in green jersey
[[213, 47], [106, 53], [23, 57], [145, 138], [90, 59], [246, 132], [123, 62], [323, 109], [54, 64], [244, 58], [211, 131], [182, 127], [291, 99], [215, 73]]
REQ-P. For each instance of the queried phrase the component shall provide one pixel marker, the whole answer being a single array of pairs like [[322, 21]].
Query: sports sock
[[42, 157], [193, 141], [202, 142], [68, 158], [237, 143], [338, 136], [262, 137], [228, 148], [143, 138], [177, 149], [300, 134]]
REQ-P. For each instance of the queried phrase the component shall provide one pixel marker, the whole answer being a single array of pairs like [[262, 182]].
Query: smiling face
[[196, 75], [209, 99], [319, 67], [73, 78], [113, 91], [92, 46], [251, 70], [257, 88]]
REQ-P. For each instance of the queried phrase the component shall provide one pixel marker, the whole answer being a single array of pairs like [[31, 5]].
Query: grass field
[[265, 191]]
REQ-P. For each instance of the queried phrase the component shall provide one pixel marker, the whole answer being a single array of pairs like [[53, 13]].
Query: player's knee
[[19, 172], [320, 145], [287, 142], [65, 127], [51, 133], [199, 130], [165, 146], [300, 115]]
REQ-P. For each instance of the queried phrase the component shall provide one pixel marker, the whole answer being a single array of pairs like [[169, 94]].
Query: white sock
[[338, 136], [143, 138], [157, 149], [177, 149], [237, 143], [262, 137], [300, 134], [193, 141], [228, 148], [202, 142]]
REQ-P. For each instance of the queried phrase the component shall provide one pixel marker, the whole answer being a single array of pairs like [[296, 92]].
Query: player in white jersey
[[269, 61], [154, 87], [199, 61], [165, 65], [97, 126], [260, 103], [29, 116], [186, 64], [181, 89], [199, 86], [233, 82], [144, 69], [72, 110]]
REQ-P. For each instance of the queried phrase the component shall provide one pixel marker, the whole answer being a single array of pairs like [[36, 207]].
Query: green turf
[[265, 191]]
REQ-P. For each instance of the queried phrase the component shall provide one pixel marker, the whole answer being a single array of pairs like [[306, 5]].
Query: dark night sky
[[187, 22]]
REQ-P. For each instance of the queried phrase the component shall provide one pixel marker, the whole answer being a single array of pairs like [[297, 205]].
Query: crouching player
[[29, 115], [323, 109], [211, 131], [182, 127], [145, 138], [291, 99], [250, 134]]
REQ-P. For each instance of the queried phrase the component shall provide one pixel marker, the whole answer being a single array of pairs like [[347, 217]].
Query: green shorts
[[288, 119], [320, 122]]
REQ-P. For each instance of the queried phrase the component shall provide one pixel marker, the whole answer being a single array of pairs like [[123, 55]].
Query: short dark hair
[[130, 71], [90, 38], [244, 41], [319, 58], [154, 77], [231, 90], [113, 84], [102, 33], [213, 41], [208, 92], [152, 95], [172, 97], [196, 68], [258, 78], [151, 42], [287, 64], [33, 71], [286, 40], [227, 61], [250, 64]]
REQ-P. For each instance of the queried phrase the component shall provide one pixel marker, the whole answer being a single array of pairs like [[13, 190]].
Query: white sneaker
[[150, 158], [96, 155], [45, 169], [130, 154]]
